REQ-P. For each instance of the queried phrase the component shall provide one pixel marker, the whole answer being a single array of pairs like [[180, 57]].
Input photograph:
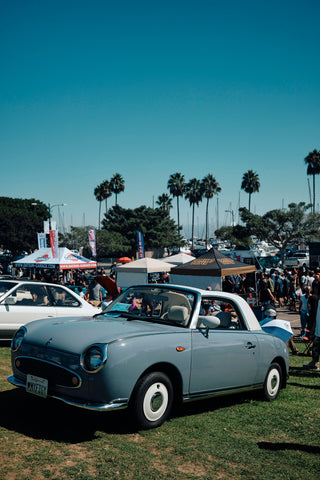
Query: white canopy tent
[[65, 260], [137, 272], [179, 259]]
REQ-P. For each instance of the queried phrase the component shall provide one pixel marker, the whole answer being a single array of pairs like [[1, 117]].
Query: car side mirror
[[210, 322], [10, 300]]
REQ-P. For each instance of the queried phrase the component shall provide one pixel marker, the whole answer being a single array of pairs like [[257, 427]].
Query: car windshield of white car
[[156, 304], [6, 286]]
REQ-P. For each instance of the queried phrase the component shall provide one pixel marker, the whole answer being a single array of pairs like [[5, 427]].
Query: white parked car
[[298, 259], [24, 301]]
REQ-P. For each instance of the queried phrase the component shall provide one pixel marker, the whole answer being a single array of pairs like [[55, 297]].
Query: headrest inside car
[[178, 313]]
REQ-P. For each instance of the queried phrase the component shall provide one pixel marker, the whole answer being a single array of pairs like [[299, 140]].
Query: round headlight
[[94, 358], [17, 339]]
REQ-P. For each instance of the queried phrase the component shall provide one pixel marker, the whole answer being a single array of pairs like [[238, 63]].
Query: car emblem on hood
[[48, 342]]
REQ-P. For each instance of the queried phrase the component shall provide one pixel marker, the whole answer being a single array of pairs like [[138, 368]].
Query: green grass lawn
[[234, 437]]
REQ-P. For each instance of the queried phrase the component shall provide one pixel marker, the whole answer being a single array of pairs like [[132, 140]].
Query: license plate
[[37, 386]]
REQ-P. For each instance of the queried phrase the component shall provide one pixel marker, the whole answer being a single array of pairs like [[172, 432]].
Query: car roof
[[203, 293], [31, 282]]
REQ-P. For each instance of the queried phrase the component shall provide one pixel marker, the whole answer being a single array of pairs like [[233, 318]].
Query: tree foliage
[[250, 183], [283, 227], [108, 243], [176, 186], [20, 221], [210, 187], [193, 192], [158, 229], [313, 162], [117, 185], [236, 235], [165, 202]]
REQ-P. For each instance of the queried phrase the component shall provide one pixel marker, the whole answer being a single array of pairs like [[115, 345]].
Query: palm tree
[[98, 193], [165, 203], [107, 192], [313, 162], [176, 186], [209, 187], [117, 185], [250, 183], [193, 193]]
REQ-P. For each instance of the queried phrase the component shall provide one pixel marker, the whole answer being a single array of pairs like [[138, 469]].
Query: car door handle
[[250, 345]]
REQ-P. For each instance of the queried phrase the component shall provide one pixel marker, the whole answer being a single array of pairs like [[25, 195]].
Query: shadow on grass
[[52, 420], [303, 385], [216, 403], [288, 446], [49, 419], [301, 372]]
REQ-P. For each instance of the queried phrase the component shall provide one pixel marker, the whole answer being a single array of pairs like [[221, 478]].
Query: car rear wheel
[[152, 401], [272, 383]]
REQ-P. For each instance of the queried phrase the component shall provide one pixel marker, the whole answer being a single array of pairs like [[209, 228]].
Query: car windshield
[[155, 304], [6, 286]]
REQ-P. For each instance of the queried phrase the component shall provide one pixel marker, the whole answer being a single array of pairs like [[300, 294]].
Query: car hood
[[75, 334]]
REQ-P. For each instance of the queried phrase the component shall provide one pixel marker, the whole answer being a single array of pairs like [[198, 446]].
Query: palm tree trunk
[[249, 201], [178, 213], [314, 193], [207, 222], [192, 231], [99, 215]]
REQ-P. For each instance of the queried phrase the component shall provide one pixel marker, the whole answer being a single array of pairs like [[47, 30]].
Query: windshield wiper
[[111, 313], [134, 316]]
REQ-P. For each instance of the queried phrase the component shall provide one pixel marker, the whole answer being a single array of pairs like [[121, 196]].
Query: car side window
[[226, 311], [5, 287], [62, 298], [32, 295]]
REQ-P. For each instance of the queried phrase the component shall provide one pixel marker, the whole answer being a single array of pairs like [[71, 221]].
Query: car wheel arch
[[173, 374], [280, 361]]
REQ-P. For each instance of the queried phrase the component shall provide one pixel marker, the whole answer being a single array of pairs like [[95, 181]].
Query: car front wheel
[[272, 383], [152, 401]]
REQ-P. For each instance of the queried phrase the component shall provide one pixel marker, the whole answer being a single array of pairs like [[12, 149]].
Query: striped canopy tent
[[64, 260]]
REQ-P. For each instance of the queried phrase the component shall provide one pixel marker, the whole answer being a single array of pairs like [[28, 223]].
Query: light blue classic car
[[151, 348]]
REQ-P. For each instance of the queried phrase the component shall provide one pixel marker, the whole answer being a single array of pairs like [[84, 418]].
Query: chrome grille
[[56, 375]]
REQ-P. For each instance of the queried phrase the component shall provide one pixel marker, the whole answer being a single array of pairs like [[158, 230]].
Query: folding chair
[[305, 341]]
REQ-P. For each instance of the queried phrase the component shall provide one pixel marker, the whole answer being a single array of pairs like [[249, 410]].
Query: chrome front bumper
[[117, 404]]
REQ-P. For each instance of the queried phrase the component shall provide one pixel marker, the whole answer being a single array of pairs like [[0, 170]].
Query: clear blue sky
[[147, 89]]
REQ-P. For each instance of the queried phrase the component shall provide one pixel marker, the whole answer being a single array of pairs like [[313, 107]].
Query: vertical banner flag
[[92, 241], [46, 227], [54, 242], [140, 244], [42, 243]]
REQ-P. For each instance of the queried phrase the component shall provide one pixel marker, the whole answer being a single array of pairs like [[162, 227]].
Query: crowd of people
[[300, 290], [83, 282], [237, 283]]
